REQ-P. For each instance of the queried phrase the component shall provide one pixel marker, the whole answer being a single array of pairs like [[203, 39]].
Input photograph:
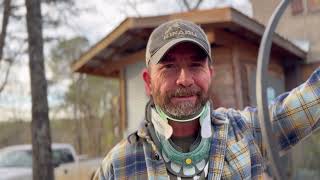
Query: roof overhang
[[126, 43]]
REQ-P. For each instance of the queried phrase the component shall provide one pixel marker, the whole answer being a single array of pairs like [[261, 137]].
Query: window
[[271, 94], [300, 6], [61, 156], [313, 5], [297, 7], [16, 158]]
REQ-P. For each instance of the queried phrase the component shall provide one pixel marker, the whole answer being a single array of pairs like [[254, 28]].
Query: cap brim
[[164, 49]]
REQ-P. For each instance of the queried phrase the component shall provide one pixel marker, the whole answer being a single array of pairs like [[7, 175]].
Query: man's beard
[[181, 110]]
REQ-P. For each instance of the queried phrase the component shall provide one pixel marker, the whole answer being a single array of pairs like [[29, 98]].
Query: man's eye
[[196, 65], [168, 66]]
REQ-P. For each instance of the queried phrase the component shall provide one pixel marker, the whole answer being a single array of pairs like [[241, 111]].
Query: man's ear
[[146, 76], [212, 72]]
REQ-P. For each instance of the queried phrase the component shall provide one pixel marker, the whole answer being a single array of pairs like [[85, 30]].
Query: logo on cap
[[176, 30]]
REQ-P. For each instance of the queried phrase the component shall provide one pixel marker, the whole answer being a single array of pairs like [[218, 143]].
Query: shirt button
[[156, 156]]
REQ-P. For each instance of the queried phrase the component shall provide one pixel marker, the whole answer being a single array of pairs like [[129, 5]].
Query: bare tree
[[12, 10], [40, 129]]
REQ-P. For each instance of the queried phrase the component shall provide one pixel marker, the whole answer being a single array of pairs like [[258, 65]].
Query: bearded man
[[182, 136]]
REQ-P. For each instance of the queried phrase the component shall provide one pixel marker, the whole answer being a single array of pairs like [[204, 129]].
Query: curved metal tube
[[261, 83]]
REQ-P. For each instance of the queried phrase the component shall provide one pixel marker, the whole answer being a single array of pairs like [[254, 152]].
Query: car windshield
[[23, 158], [18, 158]]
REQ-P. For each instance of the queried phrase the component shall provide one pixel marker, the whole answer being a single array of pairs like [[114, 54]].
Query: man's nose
[[185, 78]]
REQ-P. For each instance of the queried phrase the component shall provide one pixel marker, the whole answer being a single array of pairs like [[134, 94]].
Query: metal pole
[[261, 83]]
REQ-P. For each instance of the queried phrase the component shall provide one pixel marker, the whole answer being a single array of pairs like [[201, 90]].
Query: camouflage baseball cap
[[171, 33]]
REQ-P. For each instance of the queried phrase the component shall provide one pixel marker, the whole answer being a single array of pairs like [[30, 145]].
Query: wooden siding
[[136, 96]]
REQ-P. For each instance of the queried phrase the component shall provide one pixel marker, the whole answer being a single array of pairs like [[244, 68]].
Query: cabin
[[235, 40]]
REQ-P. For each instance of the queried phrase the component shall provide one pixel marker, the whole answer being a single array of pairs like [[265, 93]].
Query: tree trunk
[[40, 128], [5, 22]]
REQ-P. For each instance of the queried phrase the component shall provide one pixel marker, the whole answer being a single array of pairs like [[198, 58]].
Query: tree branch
[[11, 60], [197, 5], [189, 5], [133, 6], [185, 2], [3, 85]]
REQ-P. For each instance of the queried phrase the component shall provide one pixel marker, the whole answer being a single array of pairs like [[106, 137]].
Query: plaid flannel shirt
[[237, 150]]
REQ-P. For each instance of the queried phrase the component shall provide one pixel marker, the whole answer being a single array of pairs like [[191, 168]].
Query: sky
[[100, 18]]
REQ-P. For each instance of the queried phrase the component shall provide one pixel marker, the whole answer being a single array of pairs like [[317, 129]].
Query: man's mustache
[[181, 92]]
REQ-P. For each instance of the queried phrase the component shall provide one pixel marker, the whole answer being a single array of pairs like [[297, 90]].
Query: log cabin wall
[[234, 65], [222, 87]]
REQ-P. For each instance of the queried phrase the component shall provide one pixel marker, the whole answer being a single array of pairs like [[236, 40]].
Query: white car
[[16, 161]]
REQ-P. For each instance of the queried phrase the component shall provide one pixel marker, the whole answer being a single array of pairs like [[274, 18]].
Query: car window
[[61, 156], [19, 158]]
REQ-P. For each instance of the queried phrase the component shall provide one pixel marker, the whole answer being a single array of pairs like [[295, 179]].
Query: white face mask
[[161, 125], [166, 116]]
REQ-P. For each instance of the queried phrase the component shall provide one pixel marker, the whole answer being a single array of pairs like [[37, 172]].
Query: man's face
[[180, 82]]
